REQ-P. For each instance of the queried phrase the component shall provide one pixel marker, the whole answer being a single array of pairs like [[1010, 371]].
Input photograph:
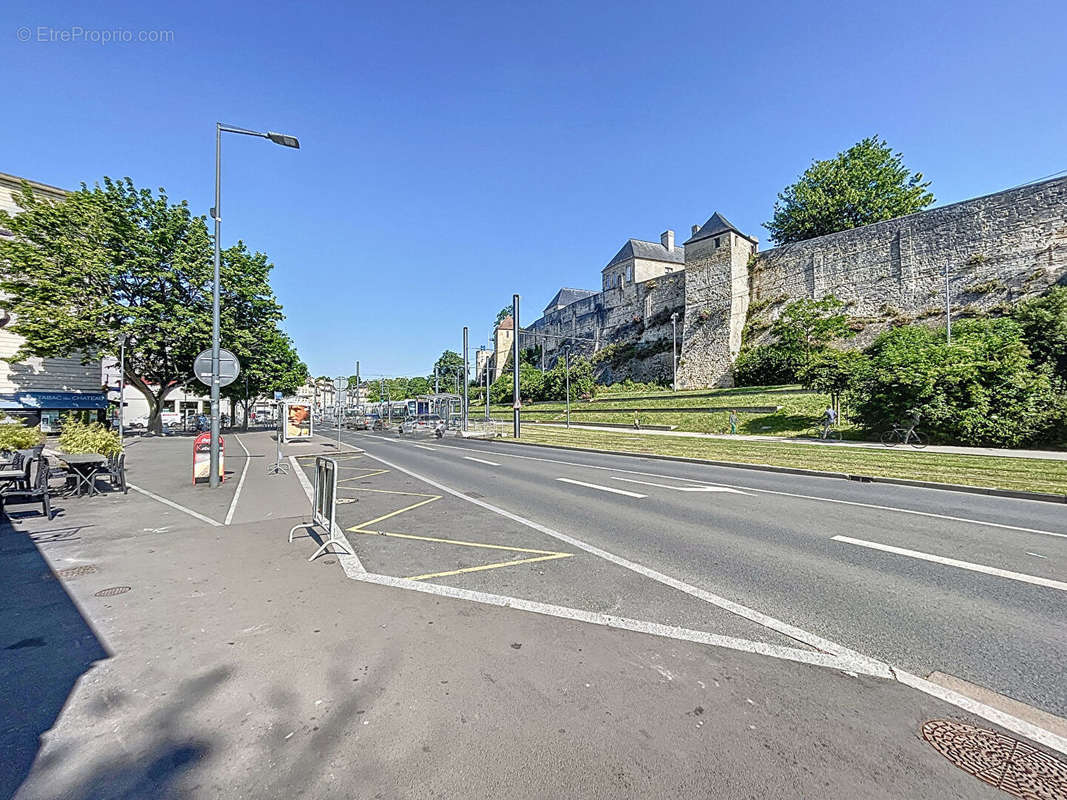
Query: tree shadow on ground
[[46, 645]]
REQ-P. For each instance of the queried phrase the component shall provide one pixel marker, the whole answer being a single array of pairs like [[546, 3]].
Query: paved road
[[770, 544]]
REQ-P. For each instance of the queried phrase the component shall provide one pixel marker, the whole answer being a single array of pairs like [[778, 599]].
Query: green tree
[[531, 385], [108, 260], [807, 325], [501, 314], [864, 184], [983, 389], [269, 363], [767, 365], [1044, 323], [581, 379], [449, 368], [834, 372]]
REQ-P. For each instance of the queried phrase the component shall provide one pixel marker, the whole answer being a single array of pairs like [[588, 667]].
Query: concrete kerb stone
[[811, 473]]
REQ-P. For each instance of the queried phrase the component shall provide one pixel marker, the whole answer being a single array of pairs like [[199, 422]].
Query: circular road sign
[[229, 367]]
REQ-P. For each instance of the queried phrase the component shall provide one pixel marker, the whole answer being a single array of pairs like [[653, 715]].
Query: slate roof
[[653, 251], [716, 226], [565, 296]]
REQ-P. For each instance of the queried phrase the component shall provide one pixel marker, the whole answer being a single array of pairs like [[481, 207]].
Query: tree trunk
[[244, 425], [155, 400]]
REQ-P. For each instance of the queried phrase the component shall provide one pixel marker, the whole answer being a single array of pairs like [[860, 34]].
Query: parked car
[[360, 422], [423, 423]]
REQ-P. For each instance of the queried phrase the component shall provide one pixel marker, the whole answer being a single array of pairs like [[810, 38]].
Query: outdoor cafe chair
[[38, 491], [116, 471]]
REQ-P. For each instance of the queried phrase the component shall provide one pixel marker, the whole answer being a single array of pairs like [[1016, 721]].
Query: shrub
[[767, 364], [79, 437], [834, 372], [16, 436], [983, 389]]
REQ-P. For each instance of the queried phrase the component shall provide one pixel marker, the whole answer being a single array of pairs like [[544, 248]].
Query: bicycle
[[904, 434], [826, 432]]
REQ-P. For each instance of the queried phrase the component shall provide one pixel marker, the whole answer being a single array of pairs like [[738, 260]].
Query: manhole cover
[[74, 572], [111, 591], [1001, 761]]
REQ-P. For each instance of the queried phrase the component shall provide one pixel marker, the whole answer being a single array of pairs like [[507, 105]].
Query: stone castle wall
[[998, 249]]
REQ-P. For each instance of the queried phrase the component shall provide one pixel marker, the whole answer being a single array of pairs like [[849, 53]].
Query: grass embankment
[[1021, 474], [799, 413]]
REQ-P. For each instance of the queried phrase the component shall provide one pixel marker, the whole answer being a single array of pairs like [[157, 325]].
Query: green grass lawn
[[799, 413], [1022, 474]]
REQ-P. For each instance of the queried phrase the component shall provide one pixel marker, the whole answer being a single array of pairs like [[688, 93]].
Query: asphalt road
[[769, 544]]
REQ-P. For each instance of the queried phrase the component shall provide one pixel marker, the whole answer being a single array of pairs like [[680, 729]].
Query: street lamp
[[122, 382], [567, 374], [674, 351], [278, 138]]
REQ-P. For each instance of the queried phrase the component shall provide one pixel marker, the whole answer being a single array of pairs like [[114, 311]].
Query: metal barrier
[[323, 507], [487, 428]]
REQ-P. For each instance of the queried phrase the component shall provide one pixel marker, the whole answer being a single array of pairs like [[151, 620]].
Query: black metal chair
[[38, 491], [116, 471]]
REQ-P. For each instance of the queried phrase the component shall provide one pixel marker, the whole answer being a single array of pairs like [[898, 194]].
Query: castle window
[[629, 273], [716, 241]]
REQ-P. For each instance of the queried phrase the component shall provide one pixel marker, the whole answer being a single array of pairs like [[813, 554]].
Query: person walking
[[733, 421]]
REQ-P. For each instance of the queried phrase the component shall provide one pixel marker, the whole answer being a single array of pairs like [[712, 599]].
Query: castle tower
[[717, 257], [502, 339]]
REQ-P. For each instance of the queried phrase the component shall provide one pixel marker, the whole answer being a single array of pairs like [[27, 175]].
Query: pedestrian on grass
[[733, 421]]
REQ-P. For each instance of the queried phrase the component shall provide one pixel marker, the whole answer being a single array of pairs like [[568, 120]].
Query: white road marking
[[894, 509], [602, 488], [350, 563], [784, 628], [178, 506], [952, 562], [481, 461], [1037, 555], [995, 715], [624, 623], [867, 664], [240, 483], [684, 488], [424, 447]]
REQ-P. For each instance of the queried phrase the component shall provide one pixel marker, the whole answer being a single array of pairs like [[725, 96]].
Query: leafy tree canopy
[[1044, 323], [114, 260], [864, 184], [501, 314], [808, 325]]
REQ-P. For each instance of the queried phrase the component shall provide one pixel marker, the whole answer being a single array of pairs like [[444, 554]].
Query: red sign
[[202, 458]]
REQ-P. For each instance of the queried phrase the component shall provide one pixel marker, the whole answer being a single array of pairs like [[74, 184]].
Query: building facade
[[42, 389]]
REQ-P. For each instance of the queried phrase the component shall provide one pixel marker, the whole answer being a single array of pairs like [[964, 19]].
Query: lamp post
[[466, 383], [674, 351], [122, 383], [516, 403], [567, 374], [278, 138]]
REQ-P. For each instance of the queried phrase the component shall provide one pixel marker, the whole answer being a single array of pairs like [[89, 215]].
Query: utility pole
[[122, 383], [567, 373], [487, 364], [465, 381], [948, 307], [436, 382], [338, 409], [516, 403], [358, 406], [674, 351]]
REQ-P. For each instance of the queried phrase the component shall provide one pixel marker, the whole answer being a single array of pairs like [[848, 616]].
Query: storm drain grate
[[111, 591], [73, 572], [1001, 761]]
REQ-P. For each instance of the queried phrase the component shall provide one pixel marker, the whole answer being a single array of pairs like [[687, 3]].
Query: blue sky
[[454, 153]]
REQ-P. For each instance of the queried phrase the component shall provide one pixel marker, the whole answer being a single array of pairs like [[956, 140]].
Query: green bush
[[767, 364], [833, 372], [16, 436], [983, 389], [581, 377], [79, 437]]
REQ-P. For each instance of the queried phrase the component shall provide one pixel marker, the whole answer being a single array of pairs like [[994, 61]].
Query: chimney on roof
[[667, 240], [695, 229]]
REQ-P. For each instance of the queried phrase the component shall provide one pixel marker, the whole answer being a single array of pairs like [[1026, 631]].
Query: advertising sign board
[[202, 458], [296, 422]]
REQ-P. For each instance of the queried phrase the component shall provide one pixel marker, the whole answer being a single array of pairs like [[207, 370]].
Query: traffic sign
[[229, 367]]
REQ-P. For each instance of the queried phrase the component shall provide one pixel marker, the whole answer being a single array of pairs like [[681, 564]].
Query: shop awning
[[43, 401]]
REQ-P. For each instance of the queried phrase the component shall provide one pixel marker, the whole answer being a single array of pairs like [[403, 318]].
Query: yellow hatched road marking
[[463, 543], [430, 498], [489, 566]]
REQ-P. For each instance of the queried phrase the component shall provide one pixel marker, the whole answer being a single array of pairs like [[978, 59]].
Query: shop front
[[48, 408]]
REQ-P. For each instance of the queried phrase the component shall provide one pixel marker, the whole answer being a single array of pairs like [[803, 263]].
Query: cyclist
[[829, 419]]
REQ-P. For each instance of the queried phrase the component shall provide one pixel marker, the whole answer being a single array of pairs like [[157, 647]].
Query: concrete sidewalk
[[232, 667], [1051, 455]]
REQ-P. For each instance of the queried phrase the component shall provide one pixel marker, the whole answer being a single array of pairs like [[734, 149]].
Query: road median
[[1014, 477]]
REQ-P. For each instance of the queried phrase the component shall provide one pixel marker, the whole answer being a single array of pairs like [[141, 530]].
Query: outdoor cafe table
[[85, 467]]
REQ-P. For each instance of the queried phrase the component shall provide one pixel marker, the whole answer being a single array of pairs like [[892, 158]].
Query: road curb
[[811, 473]]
